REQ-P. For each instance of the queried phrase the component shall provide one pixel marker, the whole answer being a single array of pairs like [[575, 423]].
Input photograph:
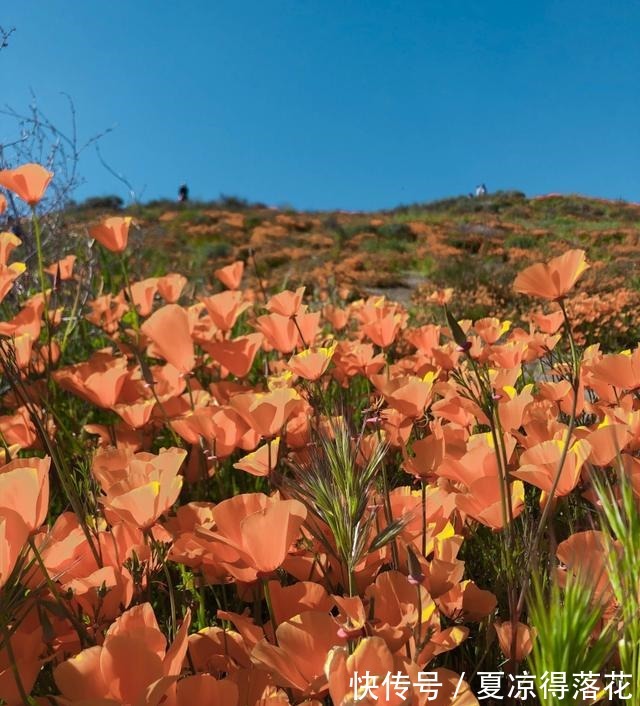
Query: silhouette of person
[[183, 193]]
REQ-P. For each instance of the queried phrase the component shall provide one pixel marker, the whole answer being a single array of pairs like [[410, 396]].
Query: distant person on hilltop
[[481, 190], [183, 193]]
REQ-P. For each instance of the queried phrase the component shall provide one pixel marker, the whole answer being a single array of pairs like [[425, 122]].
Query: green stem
[[127, 284], [272, 617], [43, 285], [172, 601]]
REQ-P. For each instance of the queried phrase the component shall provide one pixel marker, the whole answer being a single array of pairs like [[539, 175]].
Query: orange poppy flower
[[8, 243], [352, 358], [3, 204], [253, 533], [29, 182], [548, 323], [279, 331], [170, 330], [384, 329], [372, 657], [63, 269], [98, 380], [286, 303], [584, 555], [338, 318], [425, 338], [289, 601], [483, 502], [467, 601], [554, 279], [539, 465], [112, 233], [312, 363], [441, 296], [524, 638], [231, 275], [236, 355], [170, 286], [8, 275], [136, 414], [149, 488], [13, 536], [261, 461], [224, 309], [267, 412], [607, 441], [24, 488], [298, 660], [143, 293], [106, 312], [132, 666], [429, 453], [18, 429], [619, 370], [408, 395], [491, 329]]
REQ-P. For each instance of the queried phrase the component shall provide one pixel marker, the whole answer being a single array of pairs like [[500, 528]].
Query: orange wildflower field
[[233, 492]]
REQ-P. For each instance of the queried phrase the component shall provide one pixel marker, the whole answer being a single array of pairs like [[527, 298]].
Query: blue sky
[[337, 103]]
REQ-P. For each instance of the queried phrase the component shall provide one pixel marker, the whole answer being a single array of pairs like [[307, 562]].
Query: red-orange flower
[[170, 330], [29, 182], [552, 280], [132, 666], [231, 275], [113, 233]]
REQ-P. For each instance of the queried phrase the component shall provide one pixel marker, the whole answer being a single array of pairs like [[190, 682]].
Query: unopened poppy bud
[[464, 347]]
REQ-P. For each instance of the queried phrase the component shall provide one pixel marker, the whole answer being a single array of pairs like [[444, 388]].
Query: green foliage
[[620, 518], [570, 637], [336, 486]]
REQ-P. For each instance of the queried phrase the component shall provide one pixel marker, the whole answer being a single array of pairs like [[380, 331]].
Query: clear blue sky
[[338, 103]]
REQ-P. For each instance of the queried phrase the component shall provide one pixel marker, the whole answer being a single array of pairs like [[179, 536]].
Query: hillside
[[475, 245]]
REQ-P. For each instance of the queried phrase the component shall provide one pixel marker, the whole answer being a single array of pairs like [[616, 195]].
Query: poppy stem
[[295, 321], [202, 610], [43, 288], [38, 233], [272, 617], [72, 320], [127, 284], [172, 600], [424, 517]]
